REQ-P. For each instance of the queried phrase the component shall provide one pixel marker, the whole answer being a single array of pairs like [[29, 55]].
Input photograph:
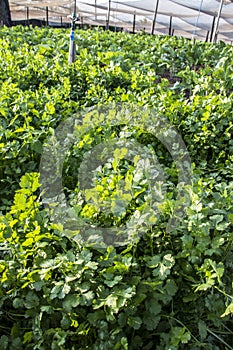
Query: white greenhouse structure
[[209, 20]]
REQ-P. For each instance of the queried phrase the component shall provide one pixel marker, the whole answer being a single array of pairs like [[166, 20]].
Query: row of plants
[[164, 290]]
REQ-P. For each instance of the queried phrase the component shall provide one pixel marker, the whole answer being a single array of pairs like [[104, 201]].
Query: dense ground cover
[[164, 291]]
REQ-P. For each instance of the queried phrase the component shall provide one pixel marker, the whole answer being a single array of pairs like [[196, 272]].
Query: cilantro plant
[[166, 290]]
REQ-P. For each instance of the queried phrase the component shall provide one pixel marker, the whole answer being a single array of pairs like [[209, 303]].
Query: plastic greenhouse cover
[[88, 9], [40, 2], [166, 7], [185, 13], [162, 21], [188, 11], [204, 21], [115, 6], [177, 23], [208, 6]]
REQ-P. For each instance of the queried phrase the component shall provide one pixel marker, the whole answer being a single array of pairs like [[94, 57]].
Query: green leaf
[[87, 298], [37, 147], [28, 242], [28, 336], [202, 328], [150, 321], [153, 306], [216, 218], [124, 343], [134, 322], [49, 107], [30, 181], [60, 290], [70, 302], [17, 303], [96, 316], [228, 311], [3, 342], [179, 335], [32, 300], [170, 289], [20, 200]]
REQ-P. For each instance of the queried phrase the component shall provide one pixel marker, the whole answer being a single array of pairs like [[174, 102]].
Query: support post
[[72, 48], [47, 16], [5, 13], [197, 20], [108, 14], [155, 15], [134, 22], [95, 10], [27, 15], [215, 31], [212, 29], [170, 27]]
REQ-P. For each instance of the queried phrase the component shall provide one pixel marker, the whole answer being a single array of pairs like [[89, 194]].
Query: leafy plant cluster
[[163, 291]]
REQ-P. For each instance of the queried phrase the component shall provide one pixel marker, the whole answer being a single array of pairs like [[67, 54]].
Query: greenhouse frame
[[208, 20]]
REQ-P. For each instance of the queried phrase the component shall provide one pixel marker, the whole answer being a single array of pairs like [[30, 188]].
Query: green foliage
[[164, 291]]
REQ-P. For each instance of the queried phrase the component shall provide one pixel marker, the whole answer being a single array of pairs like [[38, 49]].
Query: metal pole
[[108, 15], [72, 48], [154, 19], [207, 36], [212, 29], [134, 22], [75, 7], [197, 20], [47, 16], [27, 15], [215, 32], [95, 10], [170, 27]]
